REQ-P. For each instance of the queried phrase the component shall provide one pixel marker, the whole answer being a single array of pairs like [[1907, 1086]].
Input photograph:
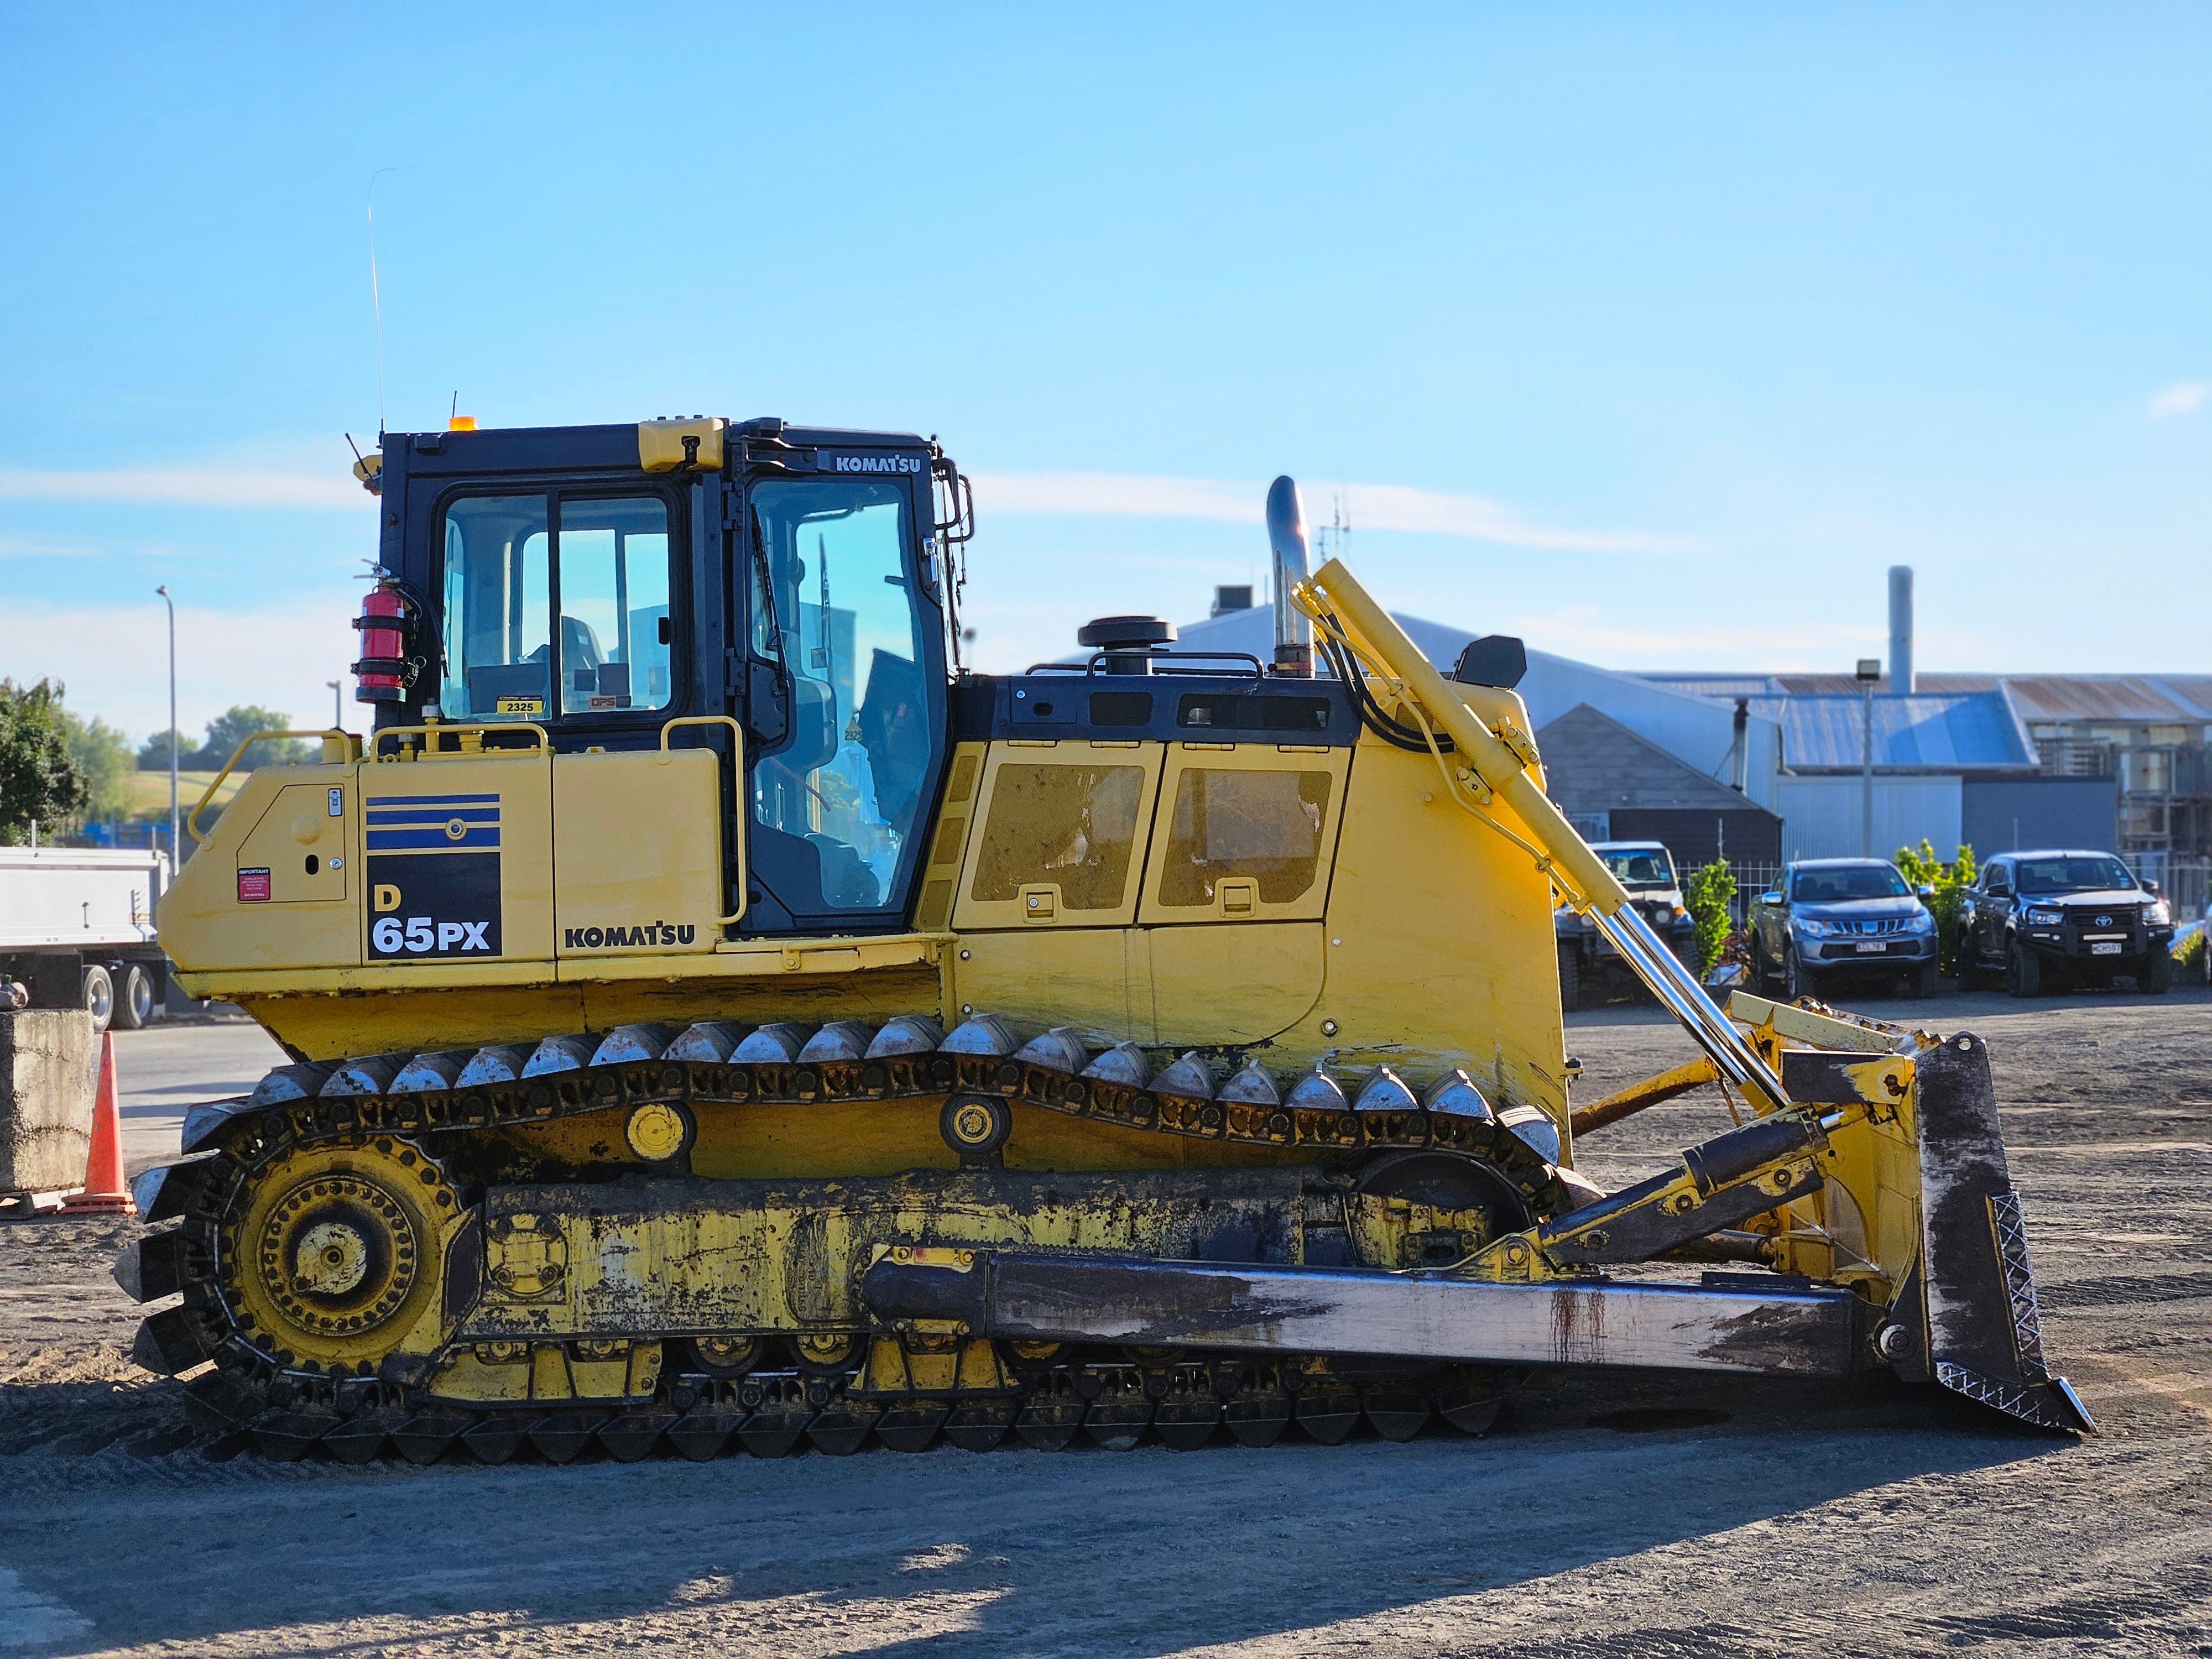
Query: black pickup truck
[[2047, 920]]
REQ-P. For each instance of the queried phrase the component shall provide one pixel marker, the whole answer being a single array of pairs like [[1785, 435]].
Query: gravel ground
[[1638, 1514]]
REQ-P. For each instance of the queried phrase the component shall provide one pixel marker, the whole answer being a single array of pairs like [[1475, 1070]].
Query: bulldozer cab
[[584, 587]]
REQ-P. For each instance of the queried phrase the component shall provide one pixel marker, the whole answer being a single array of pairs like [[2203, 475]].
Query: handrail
[[544, 740], [736, 775], [192, 821], [1333, 597]]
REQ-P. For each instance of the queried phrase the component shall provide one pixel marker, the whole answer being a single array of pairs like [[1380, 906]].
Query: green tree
[[1710, 892], [103, 754], [241, 720], [1920, 867], [224, 732], [40, 781], [154, 754]]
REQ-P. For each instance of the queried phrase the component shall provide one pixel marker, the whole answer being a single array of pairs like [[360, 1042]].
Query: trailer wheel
[[1570, 978], [134, 1006], [98, 997]]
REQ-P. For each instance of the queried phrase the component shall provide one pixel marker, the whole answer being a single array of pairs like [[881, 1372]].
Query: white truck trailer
[[76, 931]]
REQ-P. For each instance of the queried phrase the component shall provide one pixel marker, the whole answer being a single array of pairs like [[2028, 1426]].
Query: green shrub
[[1922, 868], [1711, 892]]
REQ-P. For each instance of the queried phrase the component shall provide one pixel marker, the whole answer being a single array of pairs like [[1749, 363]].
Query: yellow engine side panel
[[1440, 945], [637, 855], [245, 896]]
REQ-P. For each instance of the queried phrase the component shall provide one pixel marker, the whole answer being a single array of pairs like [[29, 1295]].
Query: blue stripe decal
[[394, 841], [432, 800], [442, 815]]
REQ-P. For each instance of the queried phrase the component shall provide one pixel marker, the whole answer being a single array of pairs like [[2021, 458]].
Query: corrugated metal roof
[[1945, 731], [2133, 699]]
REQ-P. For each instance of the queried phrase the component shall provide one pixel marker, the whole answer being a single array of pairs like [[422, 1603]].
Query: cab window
[[511, 563], [833, 601]]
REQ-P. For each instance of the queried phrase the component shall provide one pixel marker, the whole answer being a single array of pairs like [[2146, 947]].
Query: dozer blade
[[1979, 1327]]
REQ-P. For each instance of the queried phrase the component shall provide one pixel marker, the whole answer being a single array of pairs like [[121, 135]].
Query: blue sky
[[1652, 334]]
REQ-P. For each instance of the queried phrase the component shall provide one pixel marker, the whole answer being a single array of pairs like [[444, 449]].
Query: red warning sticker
[[254, 886]]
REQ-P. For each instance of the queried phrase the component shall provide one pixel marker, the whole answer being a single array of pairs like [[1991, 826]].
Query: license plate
[[1871, 946], [2106, 948]]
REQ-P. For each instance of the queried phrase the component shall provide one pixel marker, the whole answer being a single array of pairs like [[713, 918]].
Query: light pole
[[337, 706], [1870, 672], [176, 852]]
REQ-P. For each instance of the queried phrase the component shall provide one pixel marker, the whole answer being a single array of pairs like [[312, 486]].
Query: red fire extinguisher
[[384, 670]]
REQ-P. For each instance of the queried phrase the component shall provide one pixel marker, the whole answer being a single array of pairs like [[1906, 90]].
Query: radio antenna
[[376, 299]]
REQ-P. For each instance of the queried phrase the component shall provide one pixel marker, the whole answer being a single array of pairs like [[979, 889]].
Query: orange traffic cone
[[104, 1191]]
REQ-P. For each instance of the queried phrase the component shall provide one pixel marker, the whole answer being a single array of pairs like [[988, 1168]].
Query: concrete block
[[49, 1063]]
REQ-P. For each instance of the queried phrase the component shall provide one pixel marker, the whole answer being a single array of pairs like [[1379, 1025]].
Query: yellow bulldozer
[[718, 1018]]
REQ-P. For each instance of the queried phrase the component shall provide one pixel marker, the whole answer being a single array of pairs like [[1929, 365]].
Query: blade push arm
[[1498, 762]]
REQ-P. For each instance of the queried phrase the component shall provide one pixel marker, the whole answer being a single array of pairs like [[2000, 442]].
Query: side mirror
[[1925, 891], [1769, 896], [2150, 886]]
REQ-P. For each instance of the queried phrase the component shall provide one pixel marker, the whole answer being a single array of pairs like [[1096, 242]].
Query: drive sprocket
[[332, 1253]]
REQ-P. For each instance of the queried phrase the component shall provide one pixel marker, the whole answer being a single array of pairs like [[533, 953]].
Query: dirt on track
[[1634, 1514]]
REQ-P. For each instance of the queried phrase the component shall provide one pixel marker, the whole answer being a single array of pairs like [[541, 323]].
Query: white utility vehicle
[[77, 930]]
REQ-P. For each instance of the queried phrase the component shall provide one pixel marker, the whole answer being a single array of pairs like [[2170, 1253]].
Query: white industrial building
[[1996, 762]]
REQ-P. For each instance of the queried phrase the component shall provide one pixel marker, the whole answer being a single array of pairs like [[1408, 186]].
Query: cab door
[[1048, 894], [1236, 884]]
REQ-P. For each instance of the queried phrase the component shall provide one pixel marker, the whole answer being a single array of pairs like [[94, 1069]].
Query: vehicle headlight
[[1812, 927], [2045, 918], [1920, 922], [2157, 915]]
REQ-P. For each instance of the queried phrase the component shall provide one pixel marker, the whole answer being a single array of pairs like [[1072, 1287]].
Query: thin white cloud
[[114, 659], [1370, 506], [43, 547], [2182, 397], [232, 487]]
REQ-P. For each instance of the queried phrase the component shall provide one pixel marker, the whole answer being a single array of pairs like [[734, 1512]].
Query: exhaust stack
[[1286, 536], [1900, 630]]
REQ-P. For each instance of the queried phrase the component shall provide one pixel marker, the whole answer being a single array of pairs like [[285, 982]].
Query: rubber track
[[778, 1414], [352, 1418]]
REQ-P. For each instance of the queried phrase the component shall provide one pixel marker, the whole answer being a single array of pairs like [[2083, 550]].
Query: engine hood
[[1877, 909], [2112, 898]]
